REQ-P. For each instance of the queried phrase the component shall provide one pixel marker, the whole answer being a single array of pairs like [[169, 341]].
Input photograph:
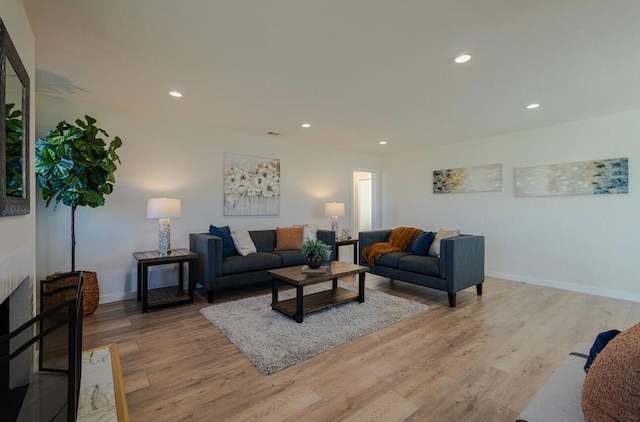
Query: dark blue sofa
[[461, 264], [213, 271]]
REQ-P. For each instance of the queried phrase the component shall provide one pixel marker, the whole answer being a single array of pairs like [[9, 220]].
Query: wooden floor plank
[[389, 407], [279, 406], [482, 360]]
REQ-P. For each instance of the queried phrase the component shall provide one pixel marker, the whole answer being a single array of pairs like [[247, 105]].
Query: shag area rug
[[272, 341]]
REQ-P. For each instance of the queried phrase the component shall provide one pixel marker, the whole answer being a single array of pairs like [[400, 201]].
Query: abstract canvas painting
[[595, 177], [486, 178], [251, 185]]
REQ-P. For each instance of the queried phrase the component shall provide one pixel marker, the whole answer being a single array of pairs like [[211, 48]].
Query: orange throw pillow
[[611, 390], [288, 238]]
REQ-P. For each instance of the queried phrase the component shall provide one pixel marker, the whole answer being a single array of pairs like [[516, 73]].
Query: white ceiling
[[359, 71]]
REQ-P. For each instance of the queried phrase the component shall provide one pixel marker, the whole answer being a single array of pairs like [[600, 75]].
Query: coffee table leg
[[299, 304], [274, 290], [361, 287], [335, 283]]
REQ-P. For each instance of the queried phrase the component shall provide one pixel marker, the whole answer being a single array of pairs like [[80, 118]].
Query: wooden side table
[[353, 242], [164, 296]]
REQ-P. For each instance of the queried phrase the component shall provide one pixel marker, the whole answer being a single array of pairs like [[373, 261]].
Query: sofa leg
[[210, 296], [479, 289], [452, 300]]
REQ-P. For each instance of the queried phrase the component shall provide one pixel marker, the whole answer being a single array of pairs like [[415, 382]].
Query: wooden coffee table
[[303, 304]]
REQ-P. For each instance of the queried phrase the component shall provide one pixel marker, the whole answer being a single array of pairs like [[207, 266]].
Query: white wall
[[17, 234], [162, 157], [584, 243]]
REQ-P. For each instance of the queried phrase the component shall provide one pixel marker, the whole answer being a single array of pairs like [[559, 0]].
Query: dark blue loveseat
[[213, 271], [461, 264]]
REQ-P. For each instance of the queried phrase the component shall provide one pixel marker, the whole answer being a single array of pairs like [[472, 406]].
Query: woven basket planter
[[90, 296]]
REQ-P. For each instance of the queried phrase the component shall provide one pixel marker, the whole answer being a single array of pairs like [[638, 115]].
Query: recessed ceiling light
[[175, 94], [463, 58], [306, 125], [532, 106], [383, 142]]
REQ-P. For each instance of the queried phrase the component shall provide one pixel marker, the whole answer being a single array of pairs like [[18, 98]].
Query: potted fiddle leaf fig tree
[[75, 166]]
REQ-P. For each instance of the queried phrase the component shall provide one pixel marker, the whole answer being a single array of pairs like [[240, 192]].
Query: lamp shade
[[163, 208], [334, 209]]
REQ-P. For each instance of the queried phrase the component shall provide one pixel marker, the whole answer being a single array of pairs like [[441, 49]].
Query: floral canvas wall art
[[580, 178], [251, 185], [487, 178]]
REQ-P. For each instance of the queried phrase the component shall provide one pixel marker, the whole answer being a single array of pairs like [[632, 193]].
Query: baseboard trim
[[573, 287], [117, 297]]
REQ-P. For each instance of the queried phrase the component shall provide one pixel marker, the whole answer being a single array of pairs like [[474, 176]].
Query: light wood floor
[[481, 361]]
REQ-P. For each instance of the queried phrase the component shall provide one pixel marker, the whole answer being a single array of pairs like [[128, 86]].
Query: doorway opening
[[364, 214]]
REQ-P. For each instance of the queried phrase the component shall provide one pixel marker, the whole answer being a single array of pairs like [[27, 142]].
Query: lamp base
[[334, 224], [164, 237]]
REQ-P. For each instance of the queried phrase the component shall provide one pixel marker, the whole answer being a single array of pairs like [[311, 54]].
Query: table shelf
[[316, 301], [165, 296]]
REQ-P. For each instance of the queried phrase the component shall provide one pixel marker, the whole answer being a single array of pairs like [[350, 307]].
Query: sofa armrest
[[328, 237], [208, 265], [559, 398], [462, 261], [369, 238]]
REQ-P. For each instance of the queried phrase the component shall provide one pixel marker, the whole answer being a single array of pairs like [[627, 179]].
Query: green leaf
[[116, 143], [91, 133], [62, 168], [74, 133], [99, 142]]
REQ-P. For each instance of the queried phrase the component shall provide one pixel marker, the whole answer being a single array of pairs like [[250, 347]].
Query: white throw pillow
[[310, 231], [243, 242], [434, 249]]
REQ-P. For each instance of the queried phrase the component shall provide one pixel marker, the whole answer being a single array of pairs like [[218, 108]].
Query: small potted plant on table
[[314, 251]]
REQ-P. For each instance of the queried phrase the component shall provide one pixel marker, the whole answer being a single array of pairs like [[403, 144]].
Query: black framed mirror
[[14, 129]]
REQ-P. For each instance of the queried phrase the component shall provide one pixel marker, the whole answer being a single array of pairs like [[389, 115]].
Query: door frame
[[375, 198]]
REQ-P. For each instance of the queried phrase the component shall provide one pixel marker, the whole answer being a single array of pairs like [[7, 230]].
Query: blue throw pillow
[[423, 242], [601, 341], [228, 248], [411, 245]]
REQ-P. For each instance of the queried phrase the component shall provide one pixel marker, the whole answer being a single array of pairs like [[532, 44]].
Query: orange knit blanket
[[398, 241]]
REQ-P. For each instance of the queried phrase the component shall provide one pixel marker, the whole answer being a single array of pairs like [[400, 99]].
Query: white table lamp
[[334, 210], [163, 209]]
